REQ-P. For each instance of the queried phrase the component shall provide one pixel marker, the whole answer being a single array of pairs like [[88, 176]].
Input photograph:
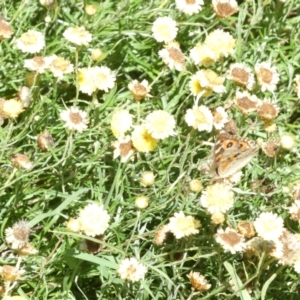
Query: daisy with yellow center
[[230, 240], [60, 66], [225, 8], [198, 281], [75, 119], [267, 76], [139, 90], [160, 124], [269, 226], [220, 118], [205, 82], [164, 29], [31, 41], [217, 198], [173, 57], [93, 219], [142, 140], [195, 186], [121, 122], [85, 80], [11, 109], [130, 269], [200, 118], [241, 75], [5, 30], [78, 35], [123, 148], [202, 55], [181, 225], [221, 43]]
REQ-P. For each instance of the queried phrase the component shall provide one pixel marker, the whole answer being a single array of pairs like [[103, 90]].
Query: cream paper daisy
[[241, 74], [130, 269], [93, 219], [38, 63], [5, 30], [85, 80], [60, 66], [139, 90], [217, 198], [202, 55], [198, 281], [75, 119], [225, 8], [104, 79], [31, 41], [189, 7], [230, 240], [173, 57], [160, 124], [267, 76], [78, 35], [205, 82], [18, 235], [269, 226], [164, 29], [221, 43], [121, 122], [200, 118], [220, 118], [123, 148], [294, 211], [181, 225]]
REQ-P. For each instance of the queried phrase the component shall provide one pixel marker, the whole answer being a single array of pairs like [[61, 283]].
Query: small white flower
[[160, 124], [241, 75], [269, 226], [31, 41], [230, 240], [38, 63], [123, 147], [199, 118], [220, 118], [267, 76], [189, 7], [131, 269], [75, 119], [121, 121], [78, 35], [173, 57], [164, 29], [181, 225], [93, 219]]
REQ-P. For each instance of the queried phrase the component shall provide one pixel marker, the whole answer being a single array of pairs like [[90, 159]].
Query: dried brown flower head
[[18, 235], [5, 30], [10, 273], [45, 141], [161, 235], [21, 161], [241, 75], [246, 228], [270, 148], [198, 281], [231, 127]]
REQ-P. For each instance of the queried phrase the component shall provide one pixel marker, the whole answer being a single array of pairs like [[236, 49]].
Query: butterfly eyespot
[[229, 145]]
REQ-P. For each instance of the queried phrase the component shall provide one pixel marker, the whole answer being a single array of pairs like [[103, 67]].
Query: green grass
[[81, 169]]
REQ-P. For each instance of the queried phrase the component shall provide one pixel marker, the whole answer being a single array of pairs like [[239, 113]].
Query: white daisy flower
[[164, 29], [31, 41], [131, 269], [75, 119], [220, 118], [267, 76], [269, 226], [78, 35], [173, 57], [189, 7], [103, 78], [241, 75], [199, 118]]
